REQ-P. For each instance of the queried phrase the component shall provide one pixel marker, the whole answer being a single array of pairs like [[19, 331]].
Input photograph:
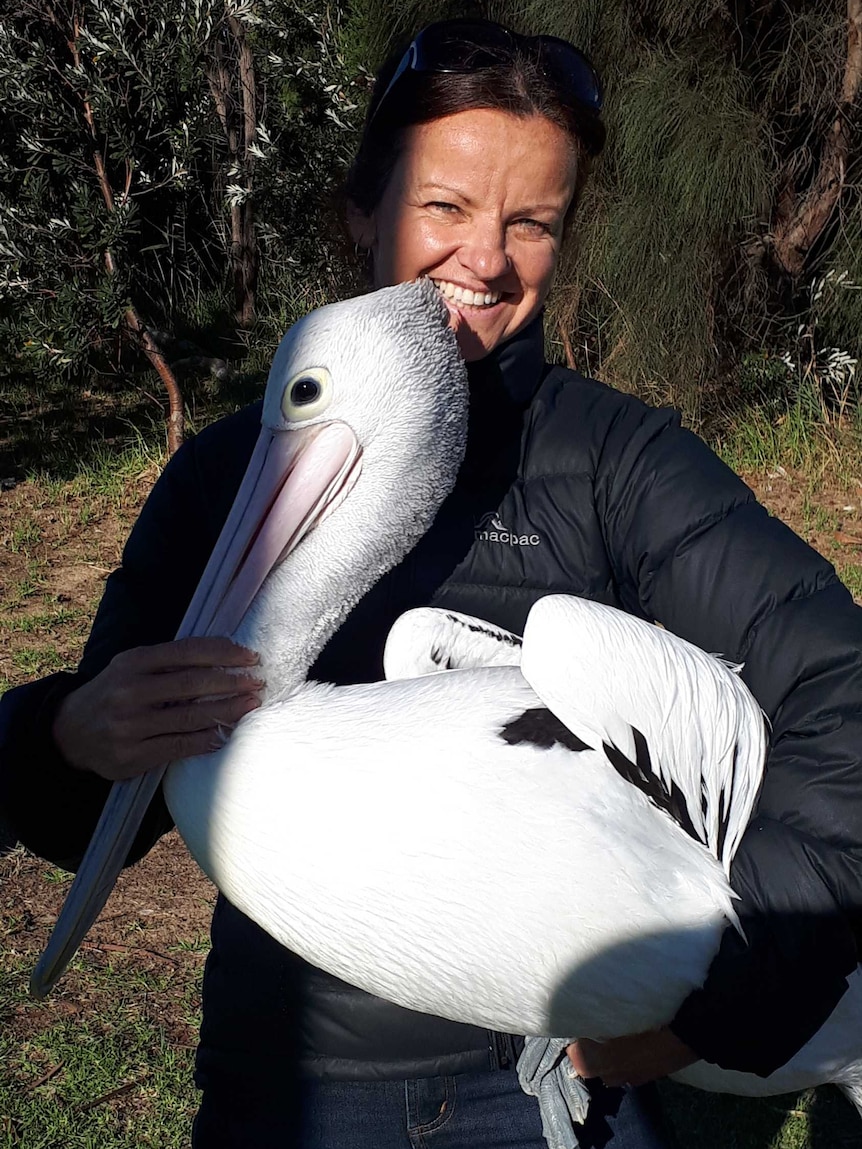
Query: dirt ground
[[58, 546], [157, 920]]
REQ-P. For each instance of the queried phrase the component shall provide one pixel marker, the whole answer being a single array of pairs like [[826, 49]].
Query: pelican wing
[[673, 720], [429, 639]]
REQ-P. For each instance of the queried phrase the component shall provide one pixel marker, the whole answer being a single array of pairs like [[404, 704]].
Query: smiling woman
[[477, 202], [475, 149]]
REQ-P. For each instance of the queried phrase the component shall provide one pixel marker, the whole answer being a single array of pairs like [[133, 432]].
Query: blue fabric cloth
[[466, 1111]]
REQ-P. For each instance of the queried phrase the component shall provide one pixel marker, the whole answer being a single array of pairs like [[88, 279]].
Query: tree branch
[[800, 220], [176, 417], [244, 253], [567, 346]]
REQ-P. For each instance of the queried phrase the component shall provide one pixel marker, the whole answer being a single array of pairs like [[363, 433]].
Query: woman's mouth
[[453, 293]]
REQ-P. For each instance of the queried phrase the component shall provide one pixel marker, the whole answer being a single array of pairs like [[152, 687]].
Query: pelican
[[617, 765]]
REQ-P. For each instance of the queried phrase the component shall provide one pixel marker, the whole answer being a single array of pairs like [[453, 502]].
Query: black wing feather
[[639, 773], [539, 727]]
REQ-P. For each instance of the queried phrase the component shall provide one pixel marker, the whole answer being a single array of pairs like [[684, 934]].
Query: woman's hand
[[155, 704], [632, 1060]]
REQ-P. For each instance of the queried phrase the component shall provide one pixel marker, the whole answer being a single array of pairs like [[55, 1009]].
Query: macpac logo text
[[491, 529]]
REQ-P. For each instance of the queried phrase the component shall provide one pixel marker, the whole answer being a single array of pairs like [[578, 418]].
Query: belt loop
[[502, 1050]]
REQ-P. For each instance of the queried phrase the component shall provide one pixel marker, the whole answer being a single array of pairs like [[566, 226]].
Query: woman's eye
[[304, 391], [443, 208], [535, 225]]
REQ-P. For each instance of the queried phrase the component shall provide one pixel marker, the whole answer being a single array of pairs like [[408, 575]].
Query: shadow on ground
[[54, 428], [718, 1121], [7, 837]]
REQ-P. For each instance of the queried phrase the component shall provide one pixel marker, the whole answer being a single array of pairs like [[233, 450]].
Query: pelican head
[[368, 394]]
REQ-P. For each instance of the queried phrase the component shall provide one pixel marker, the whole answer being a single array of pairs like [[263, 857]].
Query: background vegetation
[[168, 175]]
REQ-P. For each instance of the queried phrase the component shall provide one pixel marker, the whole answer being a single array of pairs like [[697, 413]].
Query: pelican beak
[[294, 480]]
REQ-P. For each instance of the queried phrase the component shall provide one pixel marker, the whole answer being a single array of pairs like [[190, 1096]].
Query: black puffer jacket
[[568, 486]]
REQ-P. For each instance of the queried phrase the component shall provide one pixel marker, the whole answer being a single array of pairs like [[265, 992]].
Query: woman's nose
[[484, 253]]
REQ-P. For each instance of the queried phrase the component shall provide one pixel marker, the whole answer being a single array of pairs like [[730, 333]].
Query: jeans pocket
[[430, 1103]]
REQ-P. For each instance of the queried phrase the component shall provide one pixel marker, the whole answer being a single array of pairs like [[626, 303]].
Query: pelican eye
[[304, 391], [307, 394]]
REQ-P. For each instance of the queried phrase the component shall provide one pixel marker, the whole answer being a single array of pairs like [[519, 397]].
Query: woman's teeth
[[465, 295]]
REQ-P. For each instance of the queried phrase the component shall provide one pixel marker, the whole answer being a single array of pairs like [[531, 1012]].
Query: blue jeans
[[468, 1111]]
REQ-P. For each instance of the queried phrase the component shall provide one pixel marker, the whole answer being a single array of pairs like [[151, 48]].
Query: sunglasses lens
[[571, 71], [462, 46]]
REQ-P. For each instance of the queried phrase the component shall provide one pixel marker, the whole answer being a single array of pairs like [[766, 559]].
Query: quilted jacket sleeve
[[52, 807], [694, 550]]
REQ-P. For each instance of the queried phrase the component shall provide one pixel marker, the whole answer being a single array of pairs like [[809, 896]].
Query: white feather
[[388, 834], [705, 732]]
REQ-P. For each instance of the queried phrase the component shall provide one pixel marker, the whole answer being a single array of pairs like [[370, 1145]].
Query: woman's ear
[[362, 228]]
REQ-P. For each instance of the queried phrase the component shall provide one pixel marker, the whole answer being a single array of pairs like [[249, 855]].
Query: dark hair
[[517, 85]]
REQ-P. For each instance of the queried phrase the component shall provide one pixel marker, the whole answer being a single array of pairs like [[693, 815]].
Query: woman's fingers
[[632, 1060], [178, 671], [156, 752], [164, 656], [166, 748], [188, 668], [204, 715], [181, 685], [153, 704]]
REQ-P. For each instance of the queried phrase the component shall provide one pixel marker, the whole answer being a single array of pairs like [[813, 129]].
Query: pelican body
[[541, 846]]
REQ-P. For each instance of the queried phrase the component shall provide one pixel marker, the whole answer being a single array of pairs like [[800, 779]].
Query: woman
[[474, 153]]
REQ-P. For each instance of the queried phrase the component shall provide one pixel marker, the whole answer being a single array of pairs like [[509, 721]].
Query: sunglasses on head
[[465, 46]]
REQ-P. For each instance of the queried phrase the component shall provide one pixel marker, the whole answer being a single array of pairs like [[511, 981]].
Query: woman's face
[[476, 202]]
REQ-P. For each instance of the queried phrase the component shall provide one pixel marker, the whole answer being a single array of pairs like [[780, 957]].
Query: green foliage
[[103, 148], [713, 109], [682, 169], [313, 104], [836, 292], [129, 87]]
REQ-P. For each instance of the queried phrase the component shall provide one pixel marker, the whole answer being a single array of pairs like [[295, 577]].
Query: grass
[[111, 1077], [772, 418], [776, 441], [45, 621], [38, 661], [24, 536], [851, 575], [25, 585], [199, 944], [57, 877], [763, 439], [104, 472]]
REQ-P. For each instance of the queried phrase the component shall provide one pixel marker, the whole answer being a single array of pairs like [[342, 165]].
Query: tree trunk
[[801, 219], [234, 91]]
